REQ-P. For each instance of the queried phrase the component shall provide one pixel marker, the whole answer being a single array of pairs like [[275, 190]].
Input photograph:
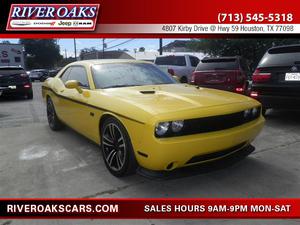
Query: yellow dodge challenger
[[140, 116]]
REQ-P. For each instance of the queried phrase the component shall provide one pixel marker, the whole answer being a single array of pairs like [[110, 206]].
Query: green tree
[[251, 49], [142, 49], [41, 53]]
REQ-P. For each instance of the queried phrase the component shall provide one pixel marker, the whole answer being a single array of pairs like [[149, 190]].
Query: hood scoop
[[147, 92]]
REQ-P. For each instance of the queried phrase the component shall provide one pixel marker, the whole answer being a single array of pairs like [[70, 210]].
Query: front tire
[[116, 147], [53, 121]]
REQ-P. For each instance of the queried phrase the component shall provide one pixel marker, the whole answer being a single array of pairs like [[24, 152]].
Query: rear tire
[[117, 149], [53, 121], [30, 95], [183, 80]]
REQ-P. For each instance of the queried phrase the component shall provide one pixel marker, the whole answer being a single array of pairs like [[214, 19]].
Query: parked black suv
[[15, 81], [276, 80]]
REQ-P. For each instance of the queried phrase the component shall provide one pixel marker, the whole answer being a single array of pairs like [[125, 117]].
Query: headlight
[[177, 125], [162, 128], [247, 113], [255, 112]]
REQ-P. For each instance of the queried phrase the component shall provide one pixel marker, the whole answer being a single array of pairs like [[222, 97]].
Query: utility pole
[[160, 46], [75, 49], [66, 56], [103, 47]]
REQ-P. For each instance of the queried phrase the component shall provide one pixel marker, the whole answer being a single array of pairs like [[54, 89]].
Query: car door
[[75, 109]]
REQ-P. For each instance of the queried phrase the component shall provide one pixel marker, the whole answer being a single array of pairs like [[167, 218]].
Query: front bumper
[[170, 153]]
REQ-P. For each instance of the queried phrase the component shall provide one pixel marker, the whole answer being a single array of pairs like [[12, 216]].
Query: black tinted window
[[11, 71], [287, 49], [218, 64], [17, 59], [194, 61], [65, 75], [78, 73], [171, 60], [128, 74], [283, 56]]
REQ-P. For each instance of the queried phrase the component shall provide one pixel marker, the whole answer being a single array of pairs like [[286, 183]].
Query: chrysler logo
[[294, 68]]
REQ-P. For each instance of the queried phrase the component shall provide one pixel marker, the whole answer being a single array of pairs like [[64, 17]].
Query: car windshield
[[113, 75], [218, 64]]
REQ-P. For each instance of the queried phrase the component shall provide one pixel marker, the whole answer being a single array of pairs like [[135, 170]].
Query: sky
[[67, 45]]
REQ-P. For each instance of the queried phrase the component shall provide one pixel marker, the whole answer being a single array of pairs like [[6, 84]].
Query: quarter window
[[65, 75], [79, 73], [194, 61]]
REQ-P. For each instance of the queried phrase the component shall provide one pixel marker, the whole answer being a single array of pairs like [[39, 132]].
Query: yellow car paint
[[139, 113]]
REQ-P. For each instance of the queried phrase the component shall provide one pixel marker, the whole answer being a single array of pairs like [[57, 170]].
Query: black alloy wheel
[[117, 149], [53, 121]]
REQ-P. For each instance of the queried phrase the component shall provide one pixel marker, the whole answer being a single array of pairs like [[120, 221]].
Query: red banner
[[149, 208]]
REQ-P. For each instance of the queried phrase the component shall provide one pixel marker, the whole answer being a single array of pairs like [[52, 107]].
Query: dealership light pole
[[103, 47], [160, 46], [75, 49]]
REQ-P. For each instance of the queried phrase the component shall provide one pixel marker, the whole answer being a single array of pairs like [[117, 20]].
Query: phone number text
[[255, 17]]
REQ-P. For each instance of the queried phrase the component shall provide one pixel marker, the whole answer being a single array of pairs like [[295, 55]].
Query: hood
[[161, 99]]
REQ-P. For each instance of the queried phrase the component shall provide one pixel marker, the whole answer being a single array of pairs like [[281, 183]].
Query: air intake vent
[[147, 92]]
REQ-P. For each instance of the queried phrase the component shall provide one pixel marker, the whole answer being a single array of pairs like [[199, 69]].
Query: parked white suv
[[181, 66]]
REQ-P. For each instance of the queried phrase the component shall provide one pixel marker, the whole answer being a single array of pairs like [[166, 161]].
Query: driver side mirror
[[73, 84]]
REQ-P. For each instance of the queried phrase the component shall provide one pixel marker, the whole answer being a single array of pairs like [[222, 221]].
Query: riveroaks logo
[[49, 17]]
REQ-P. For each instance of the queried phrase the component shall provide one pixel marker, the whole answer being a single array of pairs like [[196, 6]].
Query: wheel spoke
[[111, 131], [108, 139], [120, 160], [110, 156], [122, 145], [119, 163], [114, 147]]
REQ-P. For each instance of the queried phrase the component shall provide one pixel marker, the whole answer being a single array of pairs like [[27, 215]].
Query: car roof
[[284, 46], [174, 54], [222, 57], [105, 61], [11, 67]]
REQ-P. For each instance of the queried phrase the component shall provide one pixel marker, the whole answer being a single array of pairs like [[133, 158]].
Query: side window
[[79, 73], [194, 61], [65, 75]]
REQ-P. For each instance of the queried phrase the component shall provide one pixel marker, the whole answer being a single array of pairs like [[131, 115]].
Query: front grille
[[214, 155], [213, 123]]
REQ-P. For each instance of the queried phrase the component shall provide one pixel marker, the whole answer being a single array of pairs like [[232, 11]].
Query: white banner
[[199, 28]]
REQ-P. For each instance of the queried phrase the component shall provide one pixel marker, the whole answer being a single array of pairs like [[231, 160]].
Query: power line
[[124, 42], [112, 41]]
